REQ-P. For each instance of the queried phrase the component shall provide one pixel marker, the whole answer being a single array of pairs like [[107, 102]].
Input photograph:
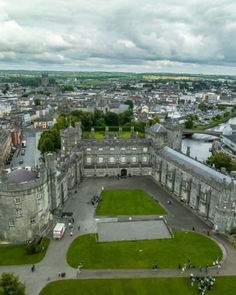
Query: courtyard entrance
[[123, 173]]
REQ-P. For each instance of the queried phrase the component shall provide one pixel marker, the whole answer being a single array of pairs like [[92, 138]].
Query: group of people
[[70, 224], [203, 283]]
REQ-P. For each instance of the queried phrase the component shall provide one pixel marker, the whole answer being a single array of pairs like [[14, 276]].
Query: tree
[[154, 120], [189, 123], [130, 103], [37, 102], [111, 119], [220, 160], [10, 285]]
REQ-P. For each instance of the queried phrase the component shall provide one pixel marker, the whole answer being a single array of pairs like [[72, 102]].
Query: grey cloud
[[116, 33]]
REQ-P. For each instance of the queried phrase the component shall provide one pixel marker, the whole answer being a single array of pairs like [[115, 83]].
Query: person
[[71, 233], [33, 268], [78, 227], [218, 268]]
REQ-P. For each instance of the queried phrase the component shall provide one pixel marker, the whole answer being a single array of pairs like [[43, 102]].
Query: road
[[32, 154]]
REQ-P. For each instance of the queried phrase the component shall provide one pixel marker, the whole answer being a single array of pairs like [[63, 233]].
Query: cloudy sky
[[194, 36]]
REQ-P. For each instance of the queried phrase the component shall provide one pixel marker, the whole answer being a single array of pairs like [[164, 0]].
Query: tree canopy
[[10, 285], [220, 160]]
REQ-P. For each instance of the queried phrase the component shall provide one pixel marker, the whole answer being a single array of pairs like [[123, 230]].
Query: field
[[160, 286], [128, 202], [166, 253], [16, 254]]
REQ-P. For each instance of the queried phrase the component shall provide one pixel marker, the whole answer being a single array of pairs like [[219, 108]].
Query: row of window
[[12, 221], [18, 199], [101, 160], [145, 149]]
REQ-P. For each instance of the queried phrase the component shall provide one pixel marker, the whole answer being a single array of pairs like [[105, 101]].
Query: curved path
[[55, 260]]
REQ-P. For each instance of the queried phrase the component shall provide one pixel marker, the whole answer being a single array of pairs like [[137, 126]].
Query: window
[[39, 196], [18, 200], [145, 149], [112, 160], [100, 160], [144, 159], [39, 204], [19, 212], [88, 160], [11, 223], [134, 159], [122, 159], [32, 220]]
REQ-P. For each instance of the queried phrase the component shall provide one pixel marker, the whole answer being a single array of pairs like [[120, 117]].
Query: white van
[[59, 230]]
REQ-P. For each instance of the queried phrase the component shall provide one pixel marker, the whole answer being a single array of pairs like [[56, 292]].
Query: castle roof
[[21, 175], [194, 167], [157, 128]]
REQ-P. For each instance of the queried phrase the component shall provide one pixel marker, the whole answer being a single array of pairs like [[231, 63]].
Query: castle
[[28, 199]]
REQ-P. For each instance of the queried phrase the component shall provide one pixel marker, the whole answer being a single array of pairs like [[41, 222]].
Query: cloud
[[154, 35]]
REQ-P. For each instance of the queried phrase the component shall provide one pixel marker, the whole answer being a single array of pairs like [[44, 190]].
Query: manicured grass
[[101, 134], [160, 286], [16, 254], [128, 202], [98, 135], [166, 253]]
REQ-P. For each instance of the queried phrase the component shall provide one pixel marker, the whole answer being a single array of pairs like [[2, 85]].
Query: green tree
[[10, 285], [189, 123], [130, 103], [125, 117], [154, 120], [111, 119], [37, 102], [220, 160], [226, 114]]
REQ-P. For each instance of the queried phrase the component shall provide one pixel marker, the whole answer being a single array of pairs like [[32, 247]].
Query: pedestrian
[[218, 268], [78, 227], [206, 268], [193, 228], [71, 233], [33, 268], [179, 266]]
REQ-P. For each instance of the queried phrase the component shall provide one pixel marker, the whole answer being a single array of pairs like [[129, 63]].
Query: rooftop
[[21, 175]]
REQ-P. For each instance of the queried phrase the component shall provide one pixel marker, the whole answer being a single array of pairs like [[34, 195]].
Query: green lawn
[[160, 286], [101, 134], [128, 202], [167, 253], [16, 254]]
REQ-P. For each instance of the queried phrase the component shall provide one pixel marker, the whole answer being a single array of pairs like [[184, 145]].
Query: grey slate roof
[[197, 168], [21, 175], [157, 128]]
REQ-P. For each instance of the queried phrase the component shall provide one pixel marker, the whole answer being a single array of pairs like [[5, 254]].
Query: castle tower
[[174, 136], [44, 79], [70, 137]]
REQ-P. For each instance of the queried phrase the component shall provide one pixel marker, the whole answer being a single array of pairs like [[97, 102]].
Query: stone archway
[[123, 173]]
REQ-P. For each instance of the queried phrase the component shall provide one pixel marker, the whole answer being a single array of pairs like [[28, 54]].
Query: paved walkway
[[55, 259]]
